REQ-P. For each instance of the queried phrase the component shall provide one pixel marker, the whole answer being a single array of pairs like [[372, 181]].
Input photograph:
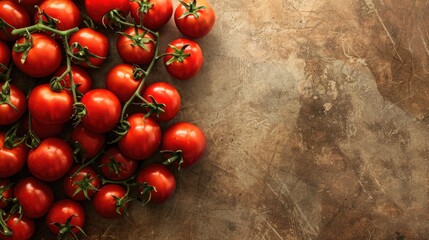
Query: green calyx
[[85, 185], [121, 204], [12, 140], [154, 107], [192, 9], [66, 229], [80, 54], [119, 132], [144, 6], [139, 40], [179, 55], [145, 192], [24, 47], [5, 96], [79, 112], [173, 156]]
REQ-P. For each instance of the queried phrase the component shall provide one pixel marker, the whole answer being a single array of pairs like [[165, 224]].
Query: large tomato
[[90, 142], [183, 62], [35, 197], [81, 184], [51, 160], [4, 56], [110, 201], [65, 11], [65, 212], [6, 192], [22, 228], [152, 13], [115, 166], [120, 81], [96, 43], [142, 139], [81, 78], [15, 15], [194, 18], [97, 9], [11, 160], [160, 179], [9, 114], [163, 93], [136, 47]]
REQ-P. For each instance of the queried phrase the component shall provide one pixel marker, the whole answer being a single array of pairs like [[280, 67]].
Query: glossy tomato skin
[[15, 15], [136, 54], [156, 17], [11, 160], [72, 180], [96, 42], [188, 138], [43, 58], [98, 8], [81, 78], [35, 197], [51, 160], [166, 94], [91, 142], [190, 25], [4, 56], [43, 131], [121, 82], [142, 139], [61, 211], [103, 110], [21, 227], [125, 166], [6, 191], [8, 115], [158, 176], [104, 202], [65, 11], [190, 66]]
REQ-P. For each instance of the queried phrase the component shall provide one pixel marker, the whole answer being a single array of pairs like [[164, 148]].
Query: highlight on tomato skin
[[160, 181], [194, 18], [67, 216], [21, 227]]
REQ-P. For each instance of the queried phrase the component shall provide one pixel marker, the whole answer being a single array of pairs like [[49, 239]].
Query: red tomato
[[49, 107], [11, 160], [187, 21], [91, 142], [8, 114], [153, 13], [187, 138], [15, 15], [95, 42], [186, 64], [6, 193], [35, 197], [21, 227], [115, 166], [97, 9], [103, 110], [81, 78], [43, 131], [136, 48], [166, 94], [61, 212], [4, 56], [65, 11], [159, 177], [120, 81], [110, 199], [81, 185], [29, 4], [51, 160], [142, 139]]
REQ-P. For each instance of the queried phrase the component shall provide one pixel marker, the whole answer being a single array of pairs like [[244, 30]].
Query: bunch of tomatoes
[[94, 141]]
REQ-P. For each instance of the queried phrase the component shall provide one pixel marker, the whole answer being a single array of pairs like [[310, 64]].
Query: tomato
[[115, 166], [111, 201], [63, 212], [65, 11], [6, 192], [161, 179], [21, 227], [35, 197], [142, 139], [11, 160], [97, 9], [166, 94], [96, 43], [187, 138], [29, 4], [187, 21], [49, 107], [90, 142], [183, 64], [4, 56], [103, 110], [153, 13], [43, 131], [136, 47], [8, 114], [51, 160], [15, 15], [81, 78], [120, 81], [81, 185]]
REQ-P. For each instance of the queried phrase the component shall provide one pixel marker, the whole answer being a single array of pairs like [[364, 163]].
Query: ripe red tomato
[[186, 64], [65, 11], [15, 15], [43, 131], [187, 21], [4, 56], [110, 201], [121, 82], [153, 13], [136, 48], [97, 44], [91, 142], [166, 94], [81, 185], [115, 166], [51, 160], [49, 107], [97, 9], [142, 139], [6, 192], [61, 212], [8, 114], [159, 177], [187, 138], [21, 227], [81, 78], [35, 197], [103, 110], [11, 160]]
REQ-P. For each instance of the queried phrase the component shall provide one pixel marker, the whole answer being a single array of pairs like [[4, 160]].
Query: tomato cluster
[[99, 143]]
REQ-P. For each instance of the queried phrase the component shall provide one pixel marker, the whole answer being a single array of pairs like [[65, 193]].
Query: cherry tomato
[[115, 166], [103, 110], [6, 192], [65, 11], [15, 15], [21, 227], [81, 78], [166, 94], [8, 114], [142, 139], [11, 160], [51, 160], [29, 5], [95, 42], [50, 107], [81, 185], [91, 142], [120, 81], [35, 197], [136, 47], [153, 13], [184, 63], [187, 138], [62, 212], [161, 179], [97, 9], [43, 131], [194, 18], [4, 56], [110, 201]]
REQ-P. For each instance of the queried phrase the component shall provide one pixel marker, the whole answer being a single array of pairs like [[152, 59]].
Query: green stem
[[68, 70], [39, 26]]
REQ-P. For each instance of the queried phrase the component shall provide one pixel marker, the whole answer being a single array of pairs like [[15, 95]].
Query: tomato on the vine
[[14, 15], [35, 197], [22, 228], [111, 201], [65, 12], [11, 112], [81, 78], [97, 9], [153, 14], [194, 18], [184, 59], [135, 46], [115, 166], [11, 160], [90, 142], [89, 47], [65, 218], [163, 93], [157, 179], [122, 82], [4, 57], [80, 184], [6, 192]]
